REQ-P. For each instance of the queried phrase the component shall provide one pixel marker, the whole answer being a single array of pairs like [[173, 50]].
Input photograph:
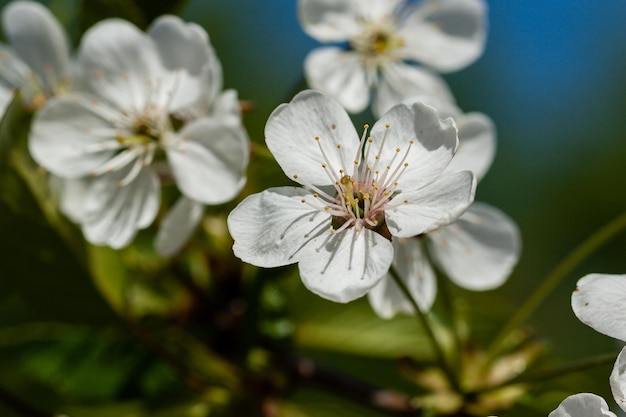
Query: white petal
[[400, 82], [6, 96], [438, 204], [617, 379], [119, 63], [177, 226], [598, 302], [339, 74], [71, 195], [479, 250], [344, 266], [434, 143], [208, 160], [477, 144], [290, 135], [445, 34], [183, 47], [412, 265], [66, 138], [271, 228], [328, 20], [114, 214], [38, 39], [226, 107], [583, 405]]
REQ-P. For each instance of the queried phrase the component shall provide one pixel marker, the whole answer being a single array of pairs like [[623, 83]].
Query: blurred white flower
[[132, 86], [583, 405], [384, 38], [179, 223], [477, 252], [37, 62], [598, 301], [356, 194]]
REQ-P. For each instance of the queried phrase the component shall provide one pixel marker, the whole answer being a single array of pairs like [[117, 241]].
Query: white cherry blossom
[[582, 405], [37, 59], [116, 129], [477, 251], [385, 38], [357, 195], [598, 301]]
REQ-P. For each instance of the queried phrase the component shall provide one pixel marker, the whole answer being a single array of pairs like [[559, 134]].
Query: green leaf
[[354, 328], [14, 128]]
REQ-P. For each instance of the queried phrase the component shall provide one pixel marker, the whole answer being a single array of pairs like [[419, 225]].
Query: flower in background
[[477, 251], [384, 38], [114, 131], [598, 301], [583, 405], [37, 62], [356, 194], [180, 222]]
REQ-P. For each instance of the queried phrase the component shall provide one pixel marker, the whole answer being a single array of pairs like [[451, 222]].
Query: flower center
[[360, 199], [377, 41]]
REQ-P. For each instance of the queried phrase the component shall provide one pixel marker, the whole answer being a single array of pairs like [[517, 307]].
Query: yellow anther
[[366, 126], [411, 142], [397, 149], [323, 165], [406, 201], [377, 157], [356, 162], [303, 201], [406, 164], [295, 176], [338, 146], [333, 126], [317, 138], [370, 140], [387, 126], [326, 208], [315, 195]]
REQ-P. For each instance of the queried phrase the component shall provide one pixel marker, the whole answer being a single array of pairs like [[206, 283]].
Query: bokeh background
[[553, 80]]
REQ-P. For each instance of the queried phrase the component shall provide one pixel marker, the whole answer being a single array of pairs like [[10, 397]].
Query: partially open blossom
[[384, 38], [477, 251], [37, 60], [116, 128], [357, 195]]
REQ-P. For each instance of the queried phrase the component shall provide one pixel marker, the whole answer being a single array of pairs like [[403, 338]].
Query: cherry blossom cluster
[[132, 110], [398, 194]]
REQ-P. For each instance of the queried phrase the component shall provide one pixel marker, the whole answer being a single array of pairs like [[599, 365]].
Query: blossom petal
[[445, 34], [477, 144], [479, 250], [114, 214], [71, 194], [598, 302], [66, 136], [177, 226], [38, 39], [412, 265], [328, 20], [438, 204], [290, 135], [339, 74], [183, 47], [344, 266], [434, 143], [271, 228], [119, 63], [208, 160], [583, 405], [617, 379], [399, 82]]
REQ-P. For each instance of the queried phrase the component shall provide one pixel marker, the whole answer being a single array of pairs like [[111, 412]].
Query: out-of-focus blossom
[[37, 59], [115, 130], [357, 194], [384, 38], [477, 252], [583, 405], [598, 301]]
